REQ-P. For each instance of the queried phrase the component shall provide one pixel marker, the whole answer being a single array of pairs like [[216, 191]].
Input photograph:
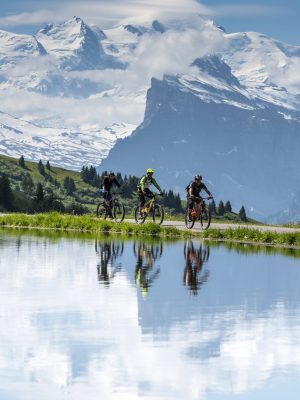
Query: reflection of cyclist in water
[[109, 253], [194, 273], [146, 256]]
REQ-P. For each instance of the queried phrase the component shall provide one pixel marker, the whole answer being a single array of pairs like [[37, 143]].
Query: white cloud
[[108, 12], [105, 12], [155, 55]]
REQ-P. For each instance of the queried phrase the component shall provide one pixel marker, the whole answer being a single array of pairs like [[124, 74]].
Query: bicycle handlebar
[[203, 198]]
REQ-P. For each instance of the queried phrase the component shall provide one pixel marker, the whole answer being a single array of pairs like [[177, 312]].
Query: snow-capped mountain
[[76, 46], [246, 147], [235, 98], [65, 148]]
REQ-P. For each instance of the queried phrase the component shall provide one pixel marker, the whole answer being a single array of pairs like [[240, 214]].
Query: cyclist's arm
[[142, 183], [156, 185], [207, 191], [191, 194], [105, 184], [116, 182]]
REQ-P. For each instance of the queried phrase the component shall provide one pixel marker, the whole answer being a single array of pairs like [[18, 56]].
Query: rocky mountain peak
[[217, 68]]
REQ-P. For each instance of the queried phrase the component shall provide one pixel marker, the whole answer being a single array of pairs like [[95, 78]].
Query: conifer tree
[[41, 168], [27, 184], [242, 214], [69, 185], [6, 194], [228, 207], [39, 194], [21, 162], [213, 207], [48, 166], [221, 208]]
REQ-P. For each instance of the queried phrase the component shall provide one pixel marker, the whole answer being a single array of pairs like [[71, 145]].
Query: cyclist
[[108, 181], [143, 186], [193, 192]]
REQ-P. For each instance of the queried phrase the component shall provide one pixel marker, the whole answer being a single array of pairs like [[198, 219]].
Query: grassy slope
[[85, 194]]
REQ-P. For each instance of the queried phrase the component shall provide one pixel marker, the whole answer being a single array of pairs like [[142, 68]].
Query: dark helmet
[[198, 177], [111, 173]]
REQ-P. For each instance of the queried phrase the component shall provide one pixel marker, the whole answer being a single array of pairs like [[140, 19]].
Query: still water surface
[[110, 319]]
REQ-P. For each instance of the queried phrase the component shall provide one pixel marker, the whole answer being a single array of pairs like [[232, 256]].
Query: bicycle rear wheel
[[101, 211], [138, 216], [189, 220], [158, 214], [205, 218], [118, 211], [117, 248]]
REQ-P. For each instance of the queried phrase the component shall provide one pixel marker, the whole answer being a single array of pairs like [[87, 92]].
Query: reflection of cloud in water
[[63, 337]]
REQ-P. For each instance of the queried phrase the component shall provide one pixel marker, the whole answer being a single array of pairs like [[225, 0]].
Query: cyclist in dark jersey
[[193, 192], [108, 181]]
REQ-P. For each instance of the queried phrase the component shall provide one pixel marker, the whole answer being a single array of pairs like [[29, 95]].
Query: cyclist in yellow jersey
[[143, 186]]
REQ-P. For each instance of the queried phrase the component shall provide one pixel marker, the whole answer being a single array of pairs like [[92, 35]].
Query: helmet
[[111, 173], [198, 177], [150, 171]]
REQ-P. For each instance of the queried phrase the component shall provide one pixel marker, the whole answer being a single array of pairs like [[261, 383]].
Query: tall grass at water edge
[[87, 223]]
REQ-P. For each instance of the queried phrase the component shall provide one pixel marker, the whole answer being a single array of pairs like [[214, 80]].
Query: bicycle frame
[[149, 205], [109, 203], [197, 210]]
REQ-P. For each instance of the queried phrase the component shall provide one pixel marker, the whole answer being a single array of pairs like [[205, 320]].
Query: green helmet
[[150, 171]]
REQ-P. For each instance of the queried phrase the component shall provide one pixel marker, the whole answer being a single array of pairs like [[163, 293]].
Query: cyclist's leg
[[190, 203], [200, 201], [108, 199], [141, 199], [148, 193]]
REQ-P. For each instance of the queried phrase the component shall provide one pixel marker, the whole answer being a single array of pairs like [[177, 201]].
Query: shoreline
[[89, 224]]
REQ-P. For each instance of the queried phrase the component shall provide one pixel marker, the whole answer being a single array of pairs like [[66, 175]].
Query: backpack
[[188, 186]]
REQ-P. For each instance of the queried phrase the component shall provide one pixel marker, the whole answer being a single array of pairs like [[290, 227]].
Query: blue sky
[[275, 18]]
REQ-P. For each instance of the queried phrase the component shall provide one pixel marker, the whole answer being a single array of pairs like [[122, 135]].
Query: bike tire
[[158, 214], [205, 218], [101, 211], [189, 224], [117, 248], [139, 219], [156, 250], [118, 212]]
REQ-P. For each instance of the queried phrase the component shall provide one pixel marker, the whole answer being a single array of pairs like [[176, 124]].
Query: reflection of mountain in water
[[61, 329]]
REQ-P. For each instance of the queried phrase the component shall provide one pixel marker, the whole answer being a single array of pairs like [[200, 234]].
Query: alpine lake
[[88, 317]]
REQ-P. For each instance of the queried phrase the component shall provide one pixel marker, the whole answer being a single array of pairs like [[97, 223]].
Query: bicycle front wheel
[[158, 214], [101, 211], [118, 212], [205, 218], [189, 220], [139, 216]]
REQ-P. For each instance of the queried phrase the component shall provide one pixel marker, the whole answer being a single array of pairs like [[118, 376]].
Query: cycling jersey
[[145, 182], [196, 189], [107, 183]]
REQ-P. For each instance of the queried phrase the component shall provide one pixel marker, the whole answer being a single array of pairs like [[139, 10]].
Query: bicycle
[[151, 207], [112, 207], [200, 212]]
